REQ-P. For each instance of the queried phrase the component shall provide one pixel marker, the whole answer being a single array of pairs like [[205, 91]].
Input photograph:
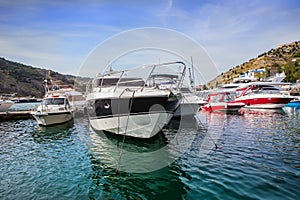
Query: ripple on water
[[257, 158], [254, 161]]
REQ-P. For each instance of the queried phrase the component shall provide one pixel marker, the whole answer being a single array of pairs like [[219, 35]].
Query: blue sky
[[59, 35]]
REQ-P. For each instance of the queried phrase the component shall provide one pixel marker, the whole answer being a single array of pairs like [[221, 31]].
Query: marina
[[150, 100], [145, 132], [219, 149]]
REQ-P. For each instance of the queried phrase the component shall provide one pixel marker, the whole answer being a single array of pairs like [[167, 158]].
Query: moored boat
[[132, 106], [294, 103], [54, 109], [262, 95], [5, 105], [190, 104], [222, 101]]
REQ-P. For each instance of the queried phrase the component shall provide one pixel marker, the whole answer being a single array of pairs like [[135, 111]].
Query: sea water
[[250, 156]]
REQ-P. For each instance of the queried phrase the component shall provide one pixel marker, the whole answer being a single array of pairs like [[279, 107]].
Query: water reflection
[[147, 169], [164, 183], [263, 111], [142, 156], [214, 126], [292, 110], [43, 134]]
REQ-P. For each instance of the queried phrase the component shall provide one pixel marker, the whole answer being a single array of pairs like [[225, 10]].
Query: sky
[[61, 35]]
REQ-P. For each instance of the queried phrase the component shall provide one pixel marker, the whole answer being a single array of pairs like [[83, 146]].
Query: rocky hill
[[23, 80], [285, 58]]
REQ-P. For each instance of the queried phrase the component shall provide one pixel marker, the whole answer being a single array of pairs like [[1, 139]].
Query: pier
[[12, 115], [25, 114]]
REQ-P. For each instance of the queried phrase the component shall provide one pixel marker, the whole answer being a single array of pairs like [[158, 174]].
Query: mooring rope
[[124, 135]]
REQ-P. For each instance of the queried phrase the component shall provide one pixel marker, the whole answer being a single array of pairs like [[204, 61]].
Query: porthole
[[106, 105]]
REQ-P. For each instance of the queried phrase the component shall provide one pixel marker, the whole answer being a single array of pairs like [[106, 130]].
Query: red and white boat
[[263, 95], [222, 101]]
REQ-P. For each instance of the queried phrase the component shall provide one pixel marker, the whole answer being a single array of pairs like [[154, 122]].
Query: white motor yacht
[[132, 106], [54, 109]]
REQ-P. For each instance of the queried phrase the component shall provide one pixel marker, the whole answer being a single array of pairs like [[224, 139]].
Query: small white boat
[[5, 105], [54, 109]]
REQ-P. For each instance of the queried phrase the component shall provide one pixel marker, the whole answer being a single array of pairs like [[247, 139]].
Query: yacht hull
[[229, 107], [142, 125], [264, 101], [140, 117], [48, 119], [187, 109]]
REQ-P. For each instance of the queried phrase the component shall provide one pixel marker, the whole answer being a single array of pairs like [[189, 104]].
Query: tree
[[296, 54]]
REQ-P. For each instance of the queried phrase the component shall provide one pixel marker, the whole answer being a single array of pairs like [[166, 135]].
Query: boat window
[[184, 89], [131, 82], [238, 93], [213, 99], [229, 97], [106, 82], [221, 98], [123, 82], [269, 90], [54, 101]]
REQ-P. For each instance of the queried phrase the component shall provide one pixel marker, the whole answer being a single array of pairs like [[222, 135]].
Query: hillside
[[283, 58], [26, 80]]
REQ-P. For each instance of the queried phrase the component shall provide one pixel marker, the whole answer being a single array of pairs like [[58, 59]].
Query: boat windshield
[[107, 82], [220, 98], [263, 90], [54, 101]]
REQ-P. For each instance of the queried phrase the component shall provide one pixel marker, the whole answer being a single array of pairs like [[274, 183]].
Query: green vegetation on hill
[[284, 58], [26, 80]]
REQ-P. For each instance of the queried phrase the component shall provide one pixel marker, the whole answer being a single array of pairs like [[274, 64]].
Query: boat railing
[[124, 81]]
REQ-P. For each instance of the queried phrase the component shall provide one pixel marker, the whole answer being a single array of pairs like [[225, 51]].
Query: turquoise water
[[24, 106], [257, 157]]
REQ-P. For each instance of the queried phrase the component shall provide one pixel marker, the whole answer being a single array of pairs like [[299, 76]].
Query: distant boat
[[75, 97], [132, 106], [222, 101], [54, 109], [5, 105], [294, 103], [26, 100], [263, 95], [190, 103]]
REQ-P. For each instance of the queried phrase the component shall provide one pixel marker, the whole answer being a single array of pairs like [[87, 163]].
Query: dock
[[13, 115], [25, 114]]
